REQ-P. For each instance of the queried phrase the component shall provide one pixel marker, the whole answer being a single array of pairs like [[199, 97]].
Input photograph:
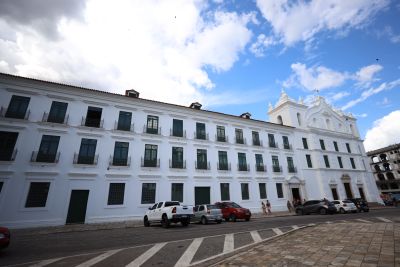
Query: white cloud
[[365, 75], [362, 115], [339, 95], [302, 20], [163, 49], [262, 44], [384, 103], [384, 132]]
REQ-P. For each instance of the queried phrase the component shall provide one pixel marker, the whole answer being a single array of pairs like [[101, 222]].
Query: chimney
[[132, 93], [195, 105], [245, 115]]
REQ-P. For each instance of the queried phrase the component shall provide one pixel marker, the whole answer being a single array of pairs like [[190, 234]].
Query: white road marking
[[99, 258], [365, 221], [228, 243], [256, 236], [187, 257], [383, 219], [277, 231], [295, 227], [45, 262], [147, 255], [311, 224], [328, 222]]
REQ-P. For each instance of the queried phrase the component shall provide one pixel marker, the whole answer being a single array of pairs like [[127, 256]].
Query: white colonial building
[[72, 155]]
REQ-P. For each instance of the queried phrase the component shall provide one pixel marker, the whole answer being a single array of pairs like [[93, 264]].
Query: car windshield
[[233, 205], [171, 203], [212, 207]]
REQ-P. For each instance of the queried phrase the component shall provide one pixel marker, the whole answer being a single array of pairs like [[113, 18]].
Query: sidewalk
[[341, 244]]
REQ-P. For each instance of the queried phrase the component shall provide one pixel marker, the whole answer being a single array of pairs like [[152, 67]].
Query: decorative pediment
[[345, 177], [294, 180]]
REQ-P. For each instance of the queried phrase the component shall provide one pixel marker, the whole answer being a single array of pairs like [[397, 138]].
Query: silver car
[[345, 206], [206, 213]]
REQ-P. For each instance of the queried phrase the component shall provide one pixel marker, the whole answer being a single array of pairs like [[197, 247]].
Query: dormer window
[[132, 93], [195, 105], [246, 115]]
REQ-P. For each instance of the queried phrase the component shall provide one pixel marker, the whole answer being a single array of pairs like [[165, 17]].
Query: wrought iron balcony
[[243, 167], [223, 138], [87, 160], [287, 146], [124, 127], [277, 168], [177, 133], [8, 156], [120, 161], [153, 163], [59, 120], [202, 165], [4, 112], [223, 166], [292, 169], [92, 122], [241, 141], [38, 156], [273, 144], [175, 164], [201, 136], [261, 168], [257, 142], [149, 130]]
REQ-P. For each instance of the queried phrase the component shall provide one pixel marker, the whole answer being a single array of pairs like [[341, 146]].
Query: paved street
[[177, 246]]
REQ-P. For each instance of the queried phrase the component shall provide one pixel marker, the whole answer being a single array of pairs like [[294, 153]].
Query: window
[[275, 164], [224, 191], [124, 121], [353, 165], [245, 191], [326, 160], [87, 151], [285, 141], [239, 136], [93, 117], [200, 131], [177, 192], [7, 144], [263, 190], [57, 112], [340, 162], [37, 195], [17, 107], [48, 149], [336, 146], [279, 190], [271, 140], [221, 134], [1, 186], [177, 128], [242, 163], [348, 147], [322, 143], [305, 144], [290, 164], [222, 160], [150, 156], [256, 138], [177, 157], [152, 125], [148, 193], [298, 119], [309, 162], [259, 163], [121, 154], [116, 194], [202, 159]]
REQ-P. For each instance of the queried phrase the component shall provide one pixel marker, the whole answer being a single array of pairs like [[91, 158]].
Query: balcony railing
[[37, 156], [149, 130], [276, 168], [91, 122], [287, 146], [16, 115], [173, 164], [200, 165], [153, 163], [292, 169], [223, 138], [177, 133], [241, 141], [243, 167], [120, 161], [257, 142], [223, 166], [261, 168], [64, 120], [201, 136], [9, 157], [128, 128], [87, 160], [273, 144]]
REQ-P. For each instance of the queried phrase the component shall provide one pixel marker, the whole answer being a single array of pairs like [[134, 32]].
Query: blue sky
[[232, 56]]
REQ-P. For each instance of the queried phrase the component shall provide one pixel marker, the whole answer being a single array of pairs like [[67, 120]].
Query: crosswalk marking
[[383, 219], [45, 262], [365, 221], [295, 227], [228, 243], [147, 255], [277, 231], [256, 236], [187, 257], [99, 258]]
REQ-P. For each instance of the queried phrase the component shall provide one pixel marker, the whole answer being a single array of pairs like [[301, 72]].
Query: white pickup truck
[[168, 212]]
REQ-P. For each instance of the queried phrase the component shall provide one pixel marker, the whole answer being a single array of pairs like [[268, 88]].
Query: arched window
[[383, 157], [298, 119], [280, 121]]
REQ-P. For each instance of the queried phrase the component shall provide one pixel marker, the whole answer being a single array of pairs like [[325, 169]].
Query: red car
[[4, 237], [232, 211]]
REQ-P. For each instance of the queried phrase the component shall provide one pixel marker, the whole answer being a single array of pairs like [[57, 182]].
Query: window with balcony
[[37, 195], [239, 136], [201, 131], [263, 190], [177, 128], [309, 162], [221, 134], [336, 146], [279, 190], [353, 165], [326, 160], [305, 144], [340, 162], [224, 191], [348, 147], [7, 145], [152, 125], [242, 164], [291, 167], [87, 151], [57, 112], [93, 117], [116, 194], [177, 192], [285, 141], [18, 107], [223, 160], [256, 138], [47, 150], [245, 191], [271, 140], [124, 121], [275, 164], [150, 156], [322, 143], [201, 163], [177, 157], [121, 150], [260, 163], [148, 193]]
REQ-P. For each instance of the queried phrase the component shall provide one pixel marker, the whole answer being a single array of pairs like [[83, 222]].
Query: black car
[[360, 203], [316, 206]]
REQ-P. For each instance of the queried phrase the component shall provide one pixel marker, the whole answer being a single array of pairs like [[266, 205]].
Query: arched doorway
[[346, 180], [296, 188]]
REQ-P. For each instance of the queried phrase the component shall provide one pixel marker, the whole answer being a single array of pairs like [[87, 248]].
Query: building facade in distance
[[75, 155]]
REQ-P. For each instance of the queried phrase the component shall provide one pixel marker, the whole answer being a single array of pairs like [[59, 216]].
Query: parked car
[[167, 212], [316, 206], [360, 203], [232, 211], [207, 213], [345, 206], [4, 237]]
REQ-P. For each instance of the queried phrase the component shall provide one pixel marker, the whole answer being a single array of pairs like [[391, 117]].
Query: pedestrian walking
[[264, 208], [269, 207], [289, 206]]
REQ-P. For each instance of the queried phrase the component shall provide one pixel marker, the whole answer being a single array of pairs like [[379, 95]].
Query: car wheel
[[204, 220], [322, 211], [185, 223], [299, 212], [227, 219], [247, 219], [146, 222], [165, 222], [342, 211], [219, 221], [232, 218]]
